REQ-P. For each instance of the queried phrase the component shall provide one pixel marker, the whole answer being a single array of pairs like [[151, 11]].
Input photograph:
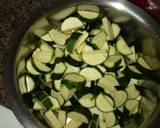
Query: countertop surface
[[11, 12]]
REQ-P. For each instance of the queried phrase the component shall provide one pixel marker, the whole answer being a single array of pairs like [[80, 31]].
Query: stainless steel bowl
[[136, 24]]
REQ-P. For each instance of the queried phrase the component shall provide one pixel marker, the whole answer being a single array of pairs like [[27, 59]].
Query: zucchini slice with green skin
[[89, 12], [94, 57], [31, 68], [95, 31], [87, 48], [122, 46], [71, 23], [67, 93], [108, 82], [58, 37], [87, 100], [104, 104], [110, 119], [74, 60], [99, 40], [143, 63], [72, 69], [116, 30], [72, 41], [96, 111], [107, 27], [62, 116], [91, 74], [40, 67], [132, 92], [112, 50], [43, 56], [26, 84], [58, 71], [120, 97], [73, 80], [59, 54], [57, 84], [133, 56], [60, 15], [46, 37], [76, 116], [73, 124], [52, 120], [37, 106], [132, 106]]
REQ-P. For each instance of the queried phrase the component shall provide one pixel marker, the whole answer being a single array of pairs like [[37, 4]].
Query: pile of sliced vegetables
[[82, 73]]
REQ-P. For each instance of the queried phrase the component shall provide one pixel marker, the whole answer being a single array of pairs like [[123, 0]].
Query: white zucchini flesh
[[134, 69], [107, 27], [120, 97], [73, 124], [122, 46], [108, 82], [110, 119], [91, 73], [87, 100], [112, 50], [94, 57], [88, 11], [132, 106], [116, 30], [37, 106], [63, 13], [58, 37], [102, 124], [132, 92], [133, 56], [77, 117], [52, 120], [59, 68], [71, 69], [71, 23], [86, 48], [103, 104], [62, 116]]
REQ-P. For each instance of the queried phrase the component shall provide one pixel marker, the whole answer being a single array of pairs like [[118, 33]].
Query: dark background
[[11, 12]]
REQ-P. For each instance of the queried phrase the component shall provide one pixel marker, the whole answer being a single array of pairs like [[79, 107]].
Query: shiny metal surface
[[138, 26]]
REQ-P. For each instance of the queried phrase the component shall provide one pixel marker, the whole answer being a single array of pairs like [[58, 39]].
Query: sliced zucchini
[[55, 103], [91, 73], [94, 122], [120, 97], [99, 40], [87, 11], [143, 63], [26, 84], [74, 60], [133, 56], [72, 69], [62, 116], [103, 103], [52, 120], [102, 68], [116, 30], [60, 15], [108, 82], [57, 84], [132, 106], [87, 48], [122, 46], [58, 37], [77, 117], [94, 57], [58, 96], [58, 71], [107, 27], [95, 31], [37, 106], [73, 80], [132, 92], [43, 56], [112, 50], [73, 124], [102, 124], [67, 93], [116, 126], [67, 104], [134, 69], [46, 37], [59, 54], [71, 23], [87, 100], [31, 68], [110, 119]]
